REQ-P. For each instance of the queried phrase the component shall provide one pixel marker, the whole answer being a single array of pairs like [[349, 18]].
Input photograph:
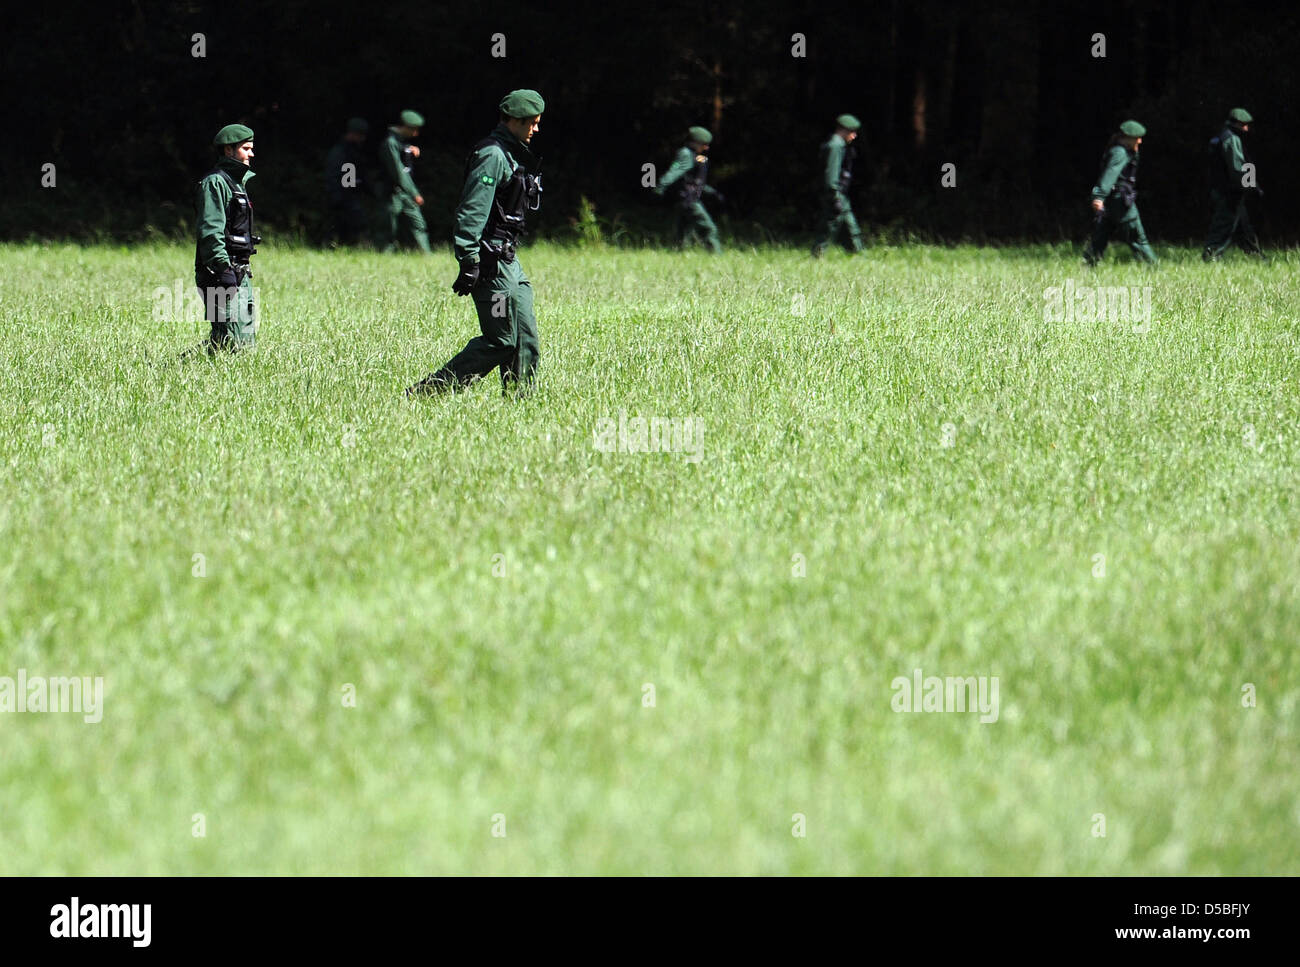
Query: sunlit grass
[[903, 465]]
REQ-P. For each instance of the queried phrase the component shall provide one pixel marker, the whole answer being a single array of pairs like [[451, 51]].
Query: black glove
[[467, 279]]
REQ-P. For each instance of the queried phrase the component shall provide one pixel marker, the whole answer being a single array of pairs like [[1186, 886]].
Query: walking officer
[[397, 155], [1114, 198], [502, 184], [344, 184], [836, 167], [1229, 185], [689, 172]]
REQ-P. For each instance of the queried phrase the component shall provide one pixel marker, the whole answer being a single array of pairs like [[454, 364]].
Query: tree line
[[1018, 98]]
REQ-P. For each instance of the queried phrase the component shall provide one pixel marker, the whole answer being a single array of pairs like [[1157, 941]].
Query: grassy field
[[904, 464]]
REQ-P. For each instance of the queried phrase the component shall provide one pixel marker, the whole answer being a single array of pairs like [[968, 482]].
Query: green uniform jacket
[[489, 169], [1233, 158], [1116, 159], [832, 165], [390, 156], [683, 162], [834, 151], [210, 204]]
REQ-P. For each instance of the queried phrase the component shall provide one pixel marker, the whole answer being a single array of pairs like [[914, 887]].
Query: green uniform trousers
[[403, 209], [503, 299], [1123, 222], [1228, 223], [229, 307], [693, 221], [837, 225]]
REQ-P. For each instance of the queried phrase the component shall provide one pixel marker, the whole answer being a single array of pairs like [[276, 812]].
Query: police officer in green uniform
[[836, 167], [1114, 198], [226, 243], [502, 184], [1227, 192], [344, 185], [397, 155], [689, 172]]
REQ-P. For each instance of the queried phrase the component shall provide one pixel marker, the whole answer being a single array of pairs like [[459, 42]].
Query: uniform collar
[[238, 171], [506, 135], [517, 147]]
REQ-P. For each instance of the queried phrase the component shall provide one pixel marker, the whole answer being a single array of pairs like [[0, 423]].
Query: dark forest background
[[1009, 92]]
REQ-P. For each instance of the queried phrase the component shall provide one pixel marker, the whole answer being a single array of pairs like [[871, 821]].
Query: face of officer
[[242, 152], [847, 135], [524, 128], [699, 147]]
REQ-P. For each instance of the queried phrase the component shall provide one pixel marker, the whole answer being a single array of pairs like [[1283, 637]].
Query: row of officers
[[501, 185], [684, 183], [1115, 213]]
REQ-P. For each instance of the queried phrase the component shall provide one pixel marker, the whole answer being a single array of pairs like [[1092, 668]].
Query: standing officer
[[226, 243], [689, 172], [502, 184], [1114, 198], [1227, 191], [344, 184], [397, 154], [836, 165]]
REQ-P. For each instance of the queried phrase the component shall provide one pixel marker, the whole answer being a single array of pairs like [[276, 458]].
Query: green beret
[[1240, 115], [699, 134], [411, 119], [358, 126], [522, 104], [1132, 129], [232, 134], [848, 122]]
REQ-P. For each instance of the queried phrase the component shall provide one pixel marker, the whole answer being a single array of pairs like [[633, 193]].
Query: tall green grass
[[904, 465]]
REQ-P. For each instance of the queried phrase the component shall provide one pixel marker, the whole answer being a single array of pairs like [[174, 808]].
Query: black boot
[[435, 384]]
